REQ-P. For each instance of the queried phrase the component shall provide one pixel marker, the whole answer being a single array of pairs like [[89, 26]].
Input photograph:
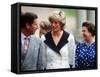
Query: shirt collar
[[88, 44], [23, 36], [50, 43]]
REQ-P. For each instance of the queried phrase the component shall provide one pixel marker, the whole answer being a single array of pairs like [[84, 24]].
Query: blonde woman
[[59, 44]]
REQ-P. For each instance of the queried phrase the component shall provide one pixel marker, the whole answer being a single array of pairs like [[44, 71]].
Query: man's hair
[[27, 18], [90, 26]]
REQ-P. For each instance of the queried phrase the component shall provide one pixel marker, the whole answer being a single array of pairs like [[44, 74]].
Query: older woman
[[59, 44], [86, 51]]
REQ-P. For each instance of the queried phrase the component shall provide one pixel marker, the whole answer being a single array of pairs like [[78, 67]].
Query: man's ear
[[27, 25]]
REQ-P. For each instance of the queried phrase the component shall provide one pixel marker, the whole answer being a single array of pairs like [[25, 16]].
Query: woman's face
[[86, 34], [56, 26]]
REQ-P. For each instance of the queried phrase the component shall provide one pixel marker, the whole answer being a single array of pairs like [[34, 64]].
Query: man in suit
[[32, 55]]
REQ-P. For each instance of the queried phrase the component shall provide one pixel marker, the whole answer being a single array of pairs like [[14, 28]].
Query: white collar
[[23, 36], [88, 44]]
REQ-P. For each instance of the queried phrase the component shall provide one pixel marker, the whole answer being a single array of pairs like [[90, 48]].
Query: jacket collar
[[50, 43]]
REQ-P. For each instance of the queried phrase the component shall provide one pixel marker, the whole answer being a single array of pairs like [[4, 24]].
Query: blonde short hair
[[58, 15]]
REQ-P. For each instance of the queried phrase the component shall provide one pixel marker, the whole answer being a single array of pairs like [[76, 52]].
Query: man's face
[[33, 27]]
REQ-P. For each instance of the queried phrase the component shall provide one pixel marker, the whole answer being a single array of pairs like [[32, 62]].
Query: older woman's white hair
[[58, 15]]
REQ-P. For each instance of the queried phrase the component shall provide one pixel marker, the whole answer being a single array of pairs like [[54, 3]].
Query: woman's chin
[[55, 30]]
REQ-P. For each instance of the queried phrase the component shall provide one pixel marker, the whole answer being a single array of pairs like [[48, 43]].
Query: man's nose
[[36, 27]]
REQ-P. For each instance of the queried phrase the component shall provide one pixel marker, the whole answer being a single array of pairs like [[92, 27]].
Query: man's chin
[[32, 33]]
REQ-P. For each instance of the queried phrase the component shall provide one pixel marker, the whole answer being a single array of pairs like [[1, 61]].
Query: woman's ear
[[27, 25]]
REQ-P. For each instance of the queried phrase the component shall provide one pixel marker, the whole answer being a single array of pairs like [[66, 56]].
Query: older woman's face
[[56, 26], [86, 34]]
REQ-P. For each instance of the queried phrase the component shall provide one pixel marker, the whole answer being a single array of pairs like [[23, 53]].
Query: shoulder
[[80, 45], [46, 36], [66, 34], [69, 36], [35, 39], [43, 37]]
